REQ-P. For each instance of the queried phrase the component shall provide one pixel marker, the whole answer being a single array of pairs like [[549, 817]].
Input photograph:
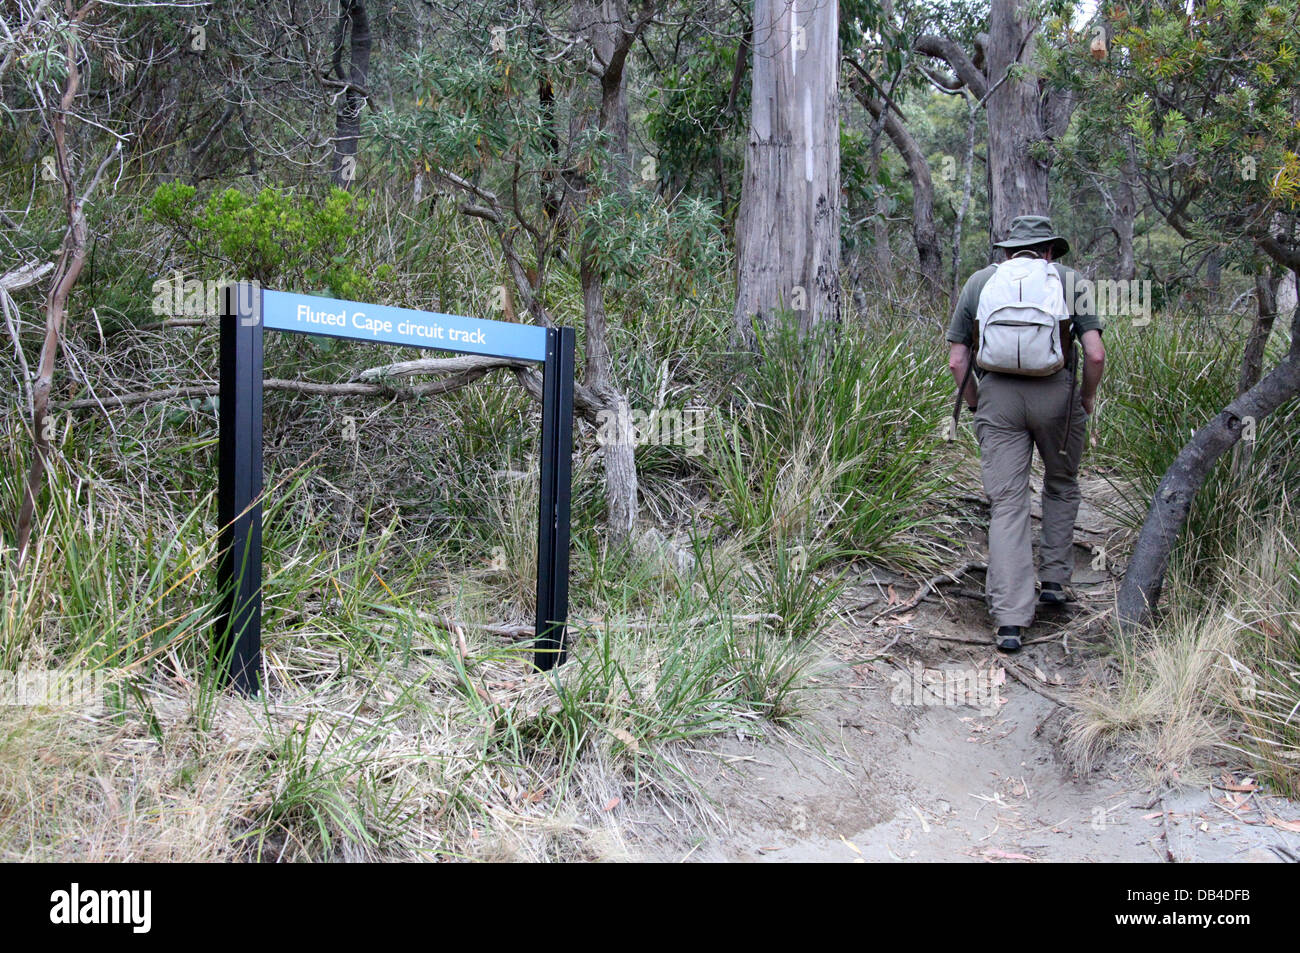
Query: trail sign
[[381, 324], [246, 311]]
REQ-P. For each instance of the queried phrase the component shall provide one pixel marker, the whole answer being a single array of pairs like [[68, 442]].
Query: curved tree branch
[[1144, 578], [951, 53]]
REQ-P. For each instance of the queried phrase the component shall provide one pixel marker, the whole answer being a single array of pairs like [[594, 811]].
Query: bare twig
[[927, 587], [1032, 684]]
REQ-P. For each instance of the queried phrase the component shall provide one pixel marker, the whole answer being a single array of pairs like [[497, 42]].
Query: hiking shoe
[[1052, 594], [1008, 638]]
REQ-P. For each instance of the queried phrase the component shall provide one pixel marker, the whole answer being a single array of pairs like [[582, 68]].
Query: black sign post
[[246, 311], [239, 489], [553, 518]]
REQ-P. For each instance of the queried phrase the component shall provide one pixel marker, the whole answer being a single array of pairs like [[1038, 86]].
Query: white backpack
[[1018, 320]]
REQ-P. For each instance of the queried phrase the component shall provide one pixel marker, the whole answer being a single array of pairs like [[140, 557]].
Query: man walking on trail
[[1017, 328]]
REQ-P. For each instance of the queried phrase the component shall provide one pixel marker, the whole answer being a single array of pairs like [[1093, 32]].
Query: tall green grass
[[833, 444], [1162, 382]]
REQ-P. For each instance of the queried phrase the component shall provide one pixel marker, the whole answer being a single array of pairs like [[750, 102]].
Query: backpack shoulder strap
[[1069, 305]]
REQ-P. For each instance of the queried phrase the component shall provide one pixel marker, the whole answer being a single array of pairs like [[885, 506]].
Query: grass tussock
[[835, 443], [1219, 677]]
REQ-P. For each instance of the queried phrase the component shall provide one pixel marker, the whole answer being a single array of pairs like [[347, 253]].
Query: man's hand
[[1094, 362], [958, 361]]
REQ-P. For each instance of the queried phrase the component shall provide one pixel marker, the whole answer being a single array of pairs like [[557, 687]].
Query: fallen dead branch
[[470, 370], [438, 365], [928, 587], [646, 625], [344, 389], [458, 626], [24, 276], [1031, 683]]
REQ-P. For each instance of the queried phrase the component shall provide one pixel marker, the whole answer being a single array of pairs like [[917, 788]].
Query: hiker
[[1014, 320]]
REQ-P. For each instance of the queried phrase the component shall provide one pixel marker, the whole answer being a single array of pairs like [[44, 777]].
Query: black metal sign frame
[[238, 629]]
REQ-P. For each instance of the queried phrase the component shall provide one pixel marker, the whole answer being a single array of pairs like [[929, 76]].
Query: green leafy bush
[[275, 235]]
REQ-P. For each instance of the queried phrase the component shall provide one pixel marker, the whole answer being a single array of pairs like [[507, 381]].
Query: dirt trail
[[937, 748]]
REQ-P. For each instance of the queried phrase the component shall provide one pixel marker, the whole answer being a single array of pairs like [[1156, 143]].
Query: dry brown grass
[[1220, 675]]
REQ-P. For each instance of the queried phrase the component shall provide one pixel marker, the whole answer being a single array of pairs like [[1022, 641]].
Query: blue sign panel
[[380, 324]]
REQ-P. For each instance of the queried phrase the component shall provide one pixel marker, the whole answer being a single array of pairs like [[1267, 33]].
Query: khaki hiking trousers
[[1014, 415]]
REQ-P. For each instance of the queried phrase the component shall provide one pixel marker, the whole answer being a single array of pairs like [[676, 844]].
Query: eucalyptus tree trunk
[[1017, 180], [611, 30], [1025, 117], [788, 227], [354, 28]]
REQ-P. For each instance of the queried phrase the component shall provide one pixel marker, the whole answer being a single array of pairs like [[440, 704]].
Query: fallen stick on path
[[987, 643], [926, 588], [1031, 683]]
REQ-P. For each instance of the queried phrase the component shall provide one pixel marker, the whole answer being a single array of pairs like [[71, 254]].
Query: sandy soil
[[924, 744]]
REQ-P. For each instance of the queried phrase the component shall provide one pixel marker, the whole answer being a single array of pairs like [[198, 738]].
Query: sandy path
[[931, 750]]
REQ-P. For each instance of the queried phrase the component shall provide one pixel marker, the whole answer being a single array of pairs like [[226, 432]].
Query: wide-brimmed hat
[[1029, 230]]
